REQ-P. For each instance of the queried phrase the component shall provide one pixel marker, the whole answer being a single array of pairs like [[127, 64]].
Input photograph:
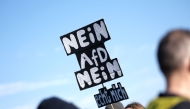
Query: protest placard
[[112, 95], [87, 43], [86, 37]]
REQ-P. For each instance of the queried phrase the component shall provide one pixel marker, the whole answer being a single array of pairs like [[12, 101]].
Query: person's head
[[174, 52], [134, 105], [117, 105], [55, 103]]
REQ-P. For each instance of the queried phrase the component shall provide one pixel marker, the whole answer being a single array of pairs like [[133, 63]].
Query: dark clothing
[[169, 101], [182, 105], [55, 103]]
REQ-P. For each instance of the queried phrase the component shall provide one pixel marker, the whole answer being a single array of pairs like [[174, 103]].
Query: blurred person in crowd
[[117, 105], [55, 103], [134, 105], [174, 61]]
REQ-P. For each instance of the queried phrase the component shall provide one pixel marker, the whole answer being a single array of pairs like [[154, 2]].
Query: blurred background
[[34, 64]]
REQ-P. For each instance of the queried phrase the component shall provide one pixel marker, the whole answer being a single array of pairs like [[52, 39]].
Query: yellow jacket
[[166, 102]]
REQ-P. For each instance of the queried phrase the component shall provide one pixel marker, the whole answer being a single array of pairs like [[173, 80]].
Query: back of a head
[[117, 105], [173, 49], [134, 105], [55, 103]]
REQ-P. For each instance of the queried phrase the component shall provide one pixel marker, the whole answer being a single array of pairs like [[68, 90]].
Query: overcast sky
[[34, 64]]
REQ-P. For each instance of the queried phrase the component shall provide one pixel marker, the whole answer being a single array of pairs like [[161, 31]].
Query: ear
[[185, 67]]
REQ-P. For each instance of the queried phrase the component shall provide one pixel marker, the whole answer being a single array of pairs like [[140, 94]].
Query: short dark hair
[[55, 103], [173, 49], [135, 105]]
